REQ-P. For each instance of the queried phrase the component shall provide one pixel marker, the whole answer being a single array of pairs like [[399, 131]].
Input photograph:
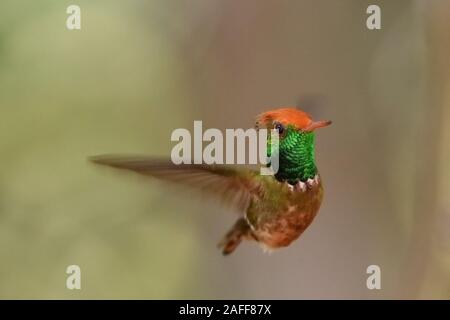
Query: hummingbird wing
[[233, 187]]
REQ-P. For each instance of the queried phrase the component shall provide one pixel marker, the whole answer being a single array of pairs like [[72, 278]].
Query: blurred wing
[[231, 186]]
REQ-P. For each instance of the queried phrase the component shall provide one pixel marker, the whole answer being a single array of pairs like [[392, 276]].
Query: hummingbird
[[274, 209]]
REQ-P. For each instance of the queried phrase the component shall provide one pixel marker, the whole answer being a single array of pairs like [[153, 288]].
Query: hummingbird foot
[[240, 230]]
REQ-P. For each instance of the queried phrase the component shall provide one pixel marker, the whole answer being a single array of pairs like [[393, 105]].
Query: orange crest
[[290, 116]]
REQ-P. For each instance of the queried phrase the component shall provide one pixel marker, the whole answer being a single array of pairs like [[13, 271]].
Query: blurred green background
[[139, 69]]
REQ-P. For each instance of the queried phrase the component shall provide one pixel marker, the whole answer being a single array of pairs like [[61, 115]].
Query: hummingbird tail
[[240, 230]]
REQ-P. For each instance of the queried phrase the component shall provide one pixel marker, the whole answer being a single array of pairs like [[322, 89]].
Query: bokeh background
[[139, 69]]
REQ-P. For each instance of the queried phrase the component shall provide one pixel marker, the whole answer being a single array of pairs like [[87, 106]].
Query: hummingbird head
[[296, 145]]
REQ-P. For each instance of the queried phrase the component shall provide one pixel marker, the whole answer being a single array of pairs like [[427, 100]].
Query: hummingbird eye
[[279, 127]]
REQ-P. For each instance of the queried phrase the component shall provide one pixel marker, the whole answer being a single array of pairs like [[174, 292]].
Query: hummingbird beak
[[317, 124]]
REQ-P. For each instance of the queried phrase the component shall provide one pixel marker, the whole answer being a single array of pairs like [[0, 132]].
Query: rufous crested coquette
[[275, 209]]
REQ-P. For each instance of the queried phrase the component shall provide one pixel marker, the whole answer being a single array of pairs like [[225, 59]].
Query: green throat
[[296, 156]]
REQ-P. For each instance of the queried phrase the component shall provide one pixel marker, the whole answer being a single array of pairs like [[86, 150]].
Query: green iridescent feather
[[296, 156]]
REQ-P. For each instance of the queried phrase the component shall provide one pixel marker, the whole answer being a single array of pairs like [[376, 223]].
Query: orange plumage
[[290, 116]]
